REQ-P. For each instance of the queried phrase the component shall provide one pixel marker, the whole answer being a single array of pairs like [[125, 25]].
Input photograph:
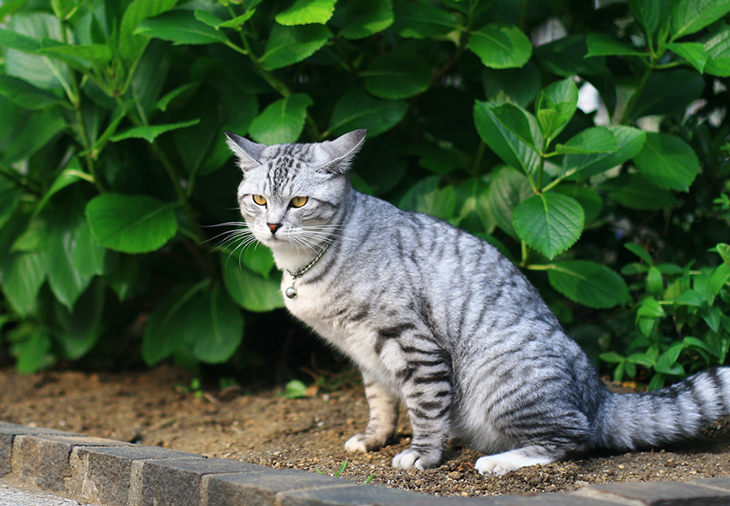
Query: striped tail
[[631, 421]]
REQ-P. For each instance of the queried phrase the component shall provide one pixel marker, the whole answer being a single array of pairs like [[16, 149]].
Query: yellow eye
[[259, 200], [299, 201]]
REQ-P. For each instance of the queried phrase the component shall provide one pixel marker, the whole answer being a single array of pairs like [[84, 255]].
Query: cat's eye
[[299, 201], [259, 200]]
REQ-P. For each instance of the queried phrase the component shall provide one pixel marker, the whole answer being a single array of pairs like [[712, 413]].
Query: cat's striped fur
[[440, 321]]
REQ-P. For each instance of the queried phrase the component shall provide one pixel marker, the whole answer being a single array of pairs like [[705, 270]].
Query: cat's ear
[[248, 152], [338, 154]]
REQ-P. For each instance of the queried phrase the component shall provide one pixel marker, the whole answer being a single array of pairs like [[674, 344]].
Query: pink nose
[[274, 227]]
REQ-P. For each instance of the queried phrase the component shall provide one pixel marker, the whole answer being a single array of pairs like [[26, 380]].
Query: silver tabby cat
[[440, 321]]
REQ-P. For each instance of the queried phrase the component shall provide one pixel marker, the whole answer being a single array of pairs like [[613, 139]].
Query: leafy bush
[[114, 165]]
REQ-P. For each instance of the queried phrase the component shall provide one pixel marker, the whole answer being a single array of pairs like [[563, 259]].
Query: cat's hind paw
[[362, 443], [503, 463], [412, 458]]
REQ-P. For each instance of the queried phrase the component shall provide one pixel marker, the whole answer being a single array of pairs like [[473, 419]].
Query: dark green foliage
[[113, 164]]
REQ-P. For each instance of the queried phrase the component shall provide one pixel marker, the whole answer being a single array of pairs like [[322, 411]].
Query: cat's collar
[[291, 292]]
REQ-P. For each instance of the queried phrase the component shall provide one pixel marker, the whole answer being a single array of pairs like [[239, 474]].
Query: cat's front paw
[[413, 458], [362, 443], [495, 466]]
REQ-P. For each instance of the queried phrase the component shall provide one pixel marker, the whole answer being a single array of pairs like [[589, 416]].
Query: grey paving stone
[[260, 488], [177, 481], [722, 483], [659, 493], [103, 474], [371, 495], [8, 431], [43, 461], [557, 499]]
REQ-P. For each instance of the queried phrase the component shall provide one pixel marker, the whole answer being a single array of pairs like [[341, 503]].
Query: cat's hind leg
[[383, 418], [503, 463]]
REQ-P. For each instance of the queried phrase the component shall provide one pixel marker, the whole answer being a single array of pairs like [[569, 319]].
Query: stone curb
[[113, 473]]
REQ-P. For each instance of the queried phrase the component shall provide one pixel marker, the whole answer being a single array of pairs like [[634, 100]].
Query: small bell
[[291, 292]]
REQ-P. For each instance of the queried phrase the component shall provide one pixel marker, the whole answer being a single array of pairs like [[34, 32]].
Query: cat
[[439, 320]]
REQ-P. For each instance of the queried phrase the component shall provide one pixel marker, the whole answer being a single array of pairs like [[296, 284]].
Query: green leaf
[[80, 329], [587, 197], [566, 57], [629, 142], [500, 46], [26, 95], [550, 223], [652, 14], [151, 132], [180, 27], [693, 342], [508, 189], [131, 46], [357, 109], [724, 251], [208, 18], [70, 175], [238, 21], [589, 141], [612, 357], [23, 276], [717, 48], [397, 75], [131, 223], [636, 192], [95, 53], [168, 324], [518, 86], [503, 142], [517, 121], [668, 161], [251, 291], [34, 133], [291, 44], [88, 256], [304, 12], [641, 359], [419, 21], [214, 326], [282, 121], [589, 284], [718, 278], [668, 92], [693, 52], [555, 106], [65, 281], [690, 298], [364, 18], [639, 251], [34, 354], [691, 16], [654, 282], [603, 45], [13, 40], [257, 259], [64, 9]]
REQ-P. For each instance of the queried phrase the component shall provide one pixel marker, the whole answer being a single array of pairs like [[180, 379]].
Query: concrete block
[[43, 461], [556, 499], [8, 431], [659, 493], [177, 481], [371, 495], [102, 475]]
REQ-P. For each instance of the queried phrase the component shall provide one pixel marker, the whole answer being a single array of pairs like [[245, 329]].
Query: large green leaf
[[636, 192], [71, 174], [151, 132], [80, 329], [603, 45], [251, 291], [34, 132], [396, 75], [291, 44], [589, 141], [566, 57], [304, 12], [131, 223], [94, 53], [357, 109], [508, 189], [717, 48], [132, 45], [34, 353], [668, 92], [26, 95], [518, 86], [555, 106], [281, 122], [180, 27], [214, 326], [693, 52], [501, 46], [629, 142], [363, 18], [507, 145], [690, 16], [551, 222], [66, 282], [416, 20], [89, 257], [652, 14], [23, 275], [518, 122], [667, 161], [588, 283]]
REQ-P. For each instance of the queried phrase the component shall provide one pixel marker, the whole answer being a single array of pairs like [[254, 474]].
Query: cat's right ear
[[247, 152]]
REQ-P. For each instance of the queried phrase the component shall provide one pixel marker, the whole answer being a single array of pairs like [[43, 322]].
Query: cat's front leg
[[383, 418]]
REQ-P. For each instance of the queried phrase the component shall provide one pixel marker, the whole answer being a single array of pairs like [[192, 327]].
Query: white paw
[[356, 444], [407, 459], [503, 463]]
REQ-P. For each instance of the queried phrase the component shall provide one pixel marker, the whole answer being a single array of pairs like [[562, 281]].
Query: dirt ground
[[151, 408]]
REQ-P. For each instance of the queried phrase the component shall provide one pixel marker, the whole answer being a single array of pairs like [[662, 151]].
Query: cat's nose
[[274, 227]]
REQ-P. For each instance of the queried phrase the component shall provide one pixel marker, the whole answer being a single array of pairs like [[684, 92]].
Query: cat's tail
[[631, 421]]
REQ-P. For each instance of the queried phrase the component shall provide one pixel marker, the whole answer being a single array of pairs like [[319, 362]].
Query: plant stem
[[636, 96]]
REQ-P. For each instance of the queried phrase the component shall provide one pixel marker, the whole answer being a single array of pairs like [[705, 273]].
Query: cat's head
[[291, 195]]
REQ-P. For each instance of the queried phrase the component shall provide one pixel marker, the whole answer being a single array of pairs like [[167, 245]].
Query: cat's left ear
[[338, 154], [248, 152]]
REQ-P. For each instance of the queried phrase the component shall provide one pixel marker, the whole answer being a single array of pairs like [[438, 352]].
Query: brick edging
[[113, 473]]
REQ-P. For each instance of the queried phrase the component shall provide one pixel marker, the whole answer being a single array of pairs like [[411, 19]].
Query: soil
[[155, 408]]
